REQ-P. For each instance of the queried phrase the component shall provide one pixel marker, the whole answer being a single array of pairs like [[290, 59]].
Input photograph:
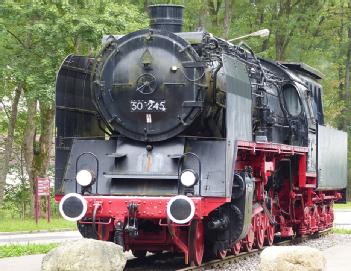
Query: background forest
[[35, 37]]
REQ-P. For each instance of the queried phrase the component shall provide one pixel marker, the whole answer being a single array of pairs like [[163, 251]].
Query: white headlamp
[[84, 177], [188, 178]]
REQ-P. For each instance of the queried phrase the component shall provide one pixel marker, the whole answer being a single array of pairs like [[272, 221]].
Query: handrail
[[180, 166], [97, 168]]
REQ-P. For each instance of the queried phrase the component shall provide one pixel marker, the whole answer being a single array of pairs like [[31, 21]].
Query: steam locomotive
[[184, 142]]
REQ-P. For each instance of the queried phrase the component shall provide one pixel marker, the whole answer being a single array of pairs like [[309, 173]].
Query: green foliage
[[36, 37], [341, 231], [343, 205], [8, 224], [17, 205], [28, 249], [17, 200]]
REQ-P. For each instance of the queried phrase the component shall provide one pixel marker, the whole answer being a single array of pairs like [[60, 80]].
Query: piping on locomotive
[[184, 142]]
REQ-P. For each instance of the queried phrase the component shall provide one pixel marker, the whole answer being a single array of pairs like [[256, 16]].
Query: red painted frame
[[115, 208], [315, 211], [148, 207], [312, 213]]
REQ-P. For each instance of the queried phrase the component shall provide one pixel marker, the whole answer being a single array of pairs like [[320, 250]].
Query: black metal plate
[[76, 115]]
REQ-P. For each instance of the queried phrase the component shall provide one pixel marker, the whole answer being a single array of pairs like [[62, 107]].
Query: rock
[[85, 254], [292, 258]]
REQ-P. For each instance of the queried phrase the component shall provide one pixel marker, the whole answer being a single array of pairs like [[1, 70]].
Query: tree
[[228, 4], [12, 117], [35, 37], [39, 35]]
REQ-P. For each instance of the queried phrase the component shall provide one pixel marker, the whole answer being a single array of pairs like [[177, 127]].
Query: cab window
[[291, 100]]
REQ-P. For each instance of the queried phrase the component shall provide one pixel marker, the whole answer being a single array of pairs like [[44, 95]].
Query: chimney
[[166, 17]]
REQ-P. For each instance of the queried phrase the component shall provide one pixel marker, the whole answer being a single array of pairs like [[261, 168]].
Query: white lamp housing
[[188, 178], [84, 177]]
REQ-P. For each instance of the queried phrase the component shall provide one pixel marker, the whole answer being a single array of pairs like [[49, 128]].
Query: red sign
[[42, 189], [43, 186]]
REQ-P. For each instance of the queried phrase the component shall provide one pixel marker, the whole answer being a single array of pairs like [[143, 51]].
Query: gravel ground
[[322, 243]]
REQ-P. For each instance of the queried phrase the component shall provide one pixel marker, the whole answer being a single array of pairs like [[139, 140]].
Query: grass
[[341, 231], [13, 225], [15, 250], [343, 206]]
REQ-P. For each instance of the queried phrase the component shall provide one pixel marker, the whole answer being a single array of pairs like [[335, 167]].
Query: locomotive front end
[[149, 83], [124, 169]]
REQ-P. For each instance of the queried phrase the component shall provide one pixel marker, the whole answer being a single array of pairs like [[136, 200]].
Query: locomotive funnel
[[166, 17]]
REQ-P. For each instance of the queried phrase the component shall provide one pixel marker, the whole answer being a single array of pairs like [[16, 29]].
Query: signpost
[[42, 190]]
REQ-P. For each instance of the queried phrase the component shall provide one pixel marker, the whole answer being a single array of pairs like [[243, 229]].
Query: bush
[[17, 201]]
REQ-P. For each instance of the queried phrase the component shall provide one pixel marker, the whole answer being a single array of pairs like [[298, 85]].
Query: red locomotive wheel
[[270, 231], [259, 231], [221, 254], [248, 241], [196, 242], [322, 215], [236, 248]]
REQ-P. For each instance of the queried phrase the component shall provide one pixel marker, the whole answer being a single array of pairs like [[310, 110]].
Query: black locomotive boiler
[[184, 142]]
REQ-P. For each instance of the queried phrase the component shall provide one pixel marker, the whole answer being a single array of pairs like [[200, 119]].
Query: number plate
[[148, 106]]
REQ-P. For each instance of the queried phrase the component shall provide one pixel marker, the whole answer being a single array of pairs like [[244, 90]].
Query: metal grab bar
[[180, 167], [97, 169]]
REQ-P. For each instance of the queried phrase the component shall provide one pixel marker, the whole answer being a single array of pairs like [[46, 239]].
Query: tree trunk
[[37, 154], [214, 9], [228, 4], [29, 136], [28, 142], [283, 34], [202, 15], [4, 167], [281, 44], [146, 5], [42, 157]]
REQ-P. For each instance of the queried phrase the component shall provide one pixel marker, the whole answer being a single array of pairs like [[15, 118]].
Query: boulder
[[85, 254], [292, 258]]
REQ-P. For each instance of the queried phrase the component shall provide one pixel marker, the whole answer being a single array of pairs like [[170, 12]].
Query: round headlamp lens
[[84, 177], [188, 178]]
